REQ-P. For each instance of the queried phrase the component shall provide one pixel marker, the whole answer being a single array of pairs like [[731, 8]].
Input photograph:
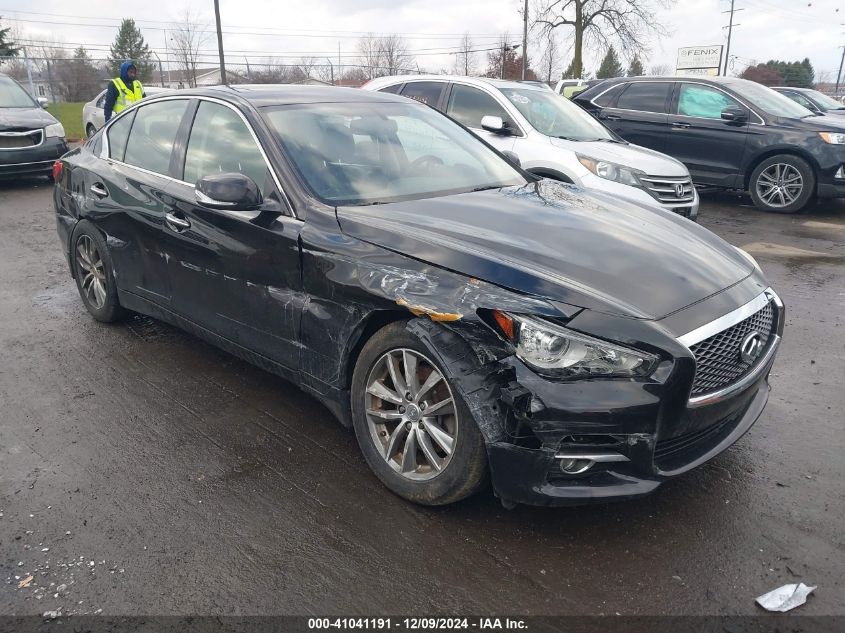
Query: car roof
[[502, 84], [260, 95]]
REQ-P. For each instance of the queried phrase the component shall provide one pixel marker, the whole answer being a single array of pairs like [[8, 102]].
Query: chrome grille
[[21, 139], [717, 359], [670, 191]]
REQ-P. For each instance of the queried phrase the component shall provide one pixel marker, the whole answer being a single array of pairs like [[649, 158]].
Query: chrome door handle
[[680, 124], [176, 223], [612, 117], [98, 190]]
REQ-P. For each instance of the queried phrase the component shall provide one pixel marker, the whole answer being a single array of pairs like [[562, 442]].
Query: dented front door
[[238, 274]]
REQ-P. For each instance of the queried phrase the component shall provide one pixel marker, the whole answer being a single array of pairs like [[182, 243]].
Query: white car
[[93, 116], [553, 137]]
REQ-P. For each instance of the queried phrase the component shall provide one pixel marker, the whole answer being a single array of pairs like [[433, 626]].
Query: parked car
[[31, 139], [731, 133], [93, 115], [813, 100], [462, 315], [571, 87], [553, 138]]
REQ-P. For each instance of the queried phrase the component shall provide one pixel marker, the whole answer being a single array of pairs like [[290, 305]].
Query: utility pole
[[839, 74], [730, 27], [524, 39], [29, 74], [220, 43]]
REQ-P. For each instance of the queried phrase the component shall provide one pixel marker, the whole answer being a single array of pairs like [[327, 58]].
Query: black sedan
[[470, 321]]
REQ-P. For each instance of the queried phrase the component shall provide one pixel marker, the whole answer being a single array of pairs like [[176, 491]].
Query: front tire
[[782, 184], [414, 428], [92, 269]]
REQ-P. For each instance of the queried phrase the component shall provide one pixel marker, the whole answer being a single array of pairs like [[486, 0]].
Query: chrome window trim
[[679, 80], [40, 142], [104, 153], [728, 320], [38, 162]]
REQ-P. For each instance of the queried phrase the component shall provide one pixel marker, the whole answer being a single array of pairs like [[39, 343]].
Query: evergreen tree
[[569, 73], [610, 66], [7, 49], [636, 68], [129, 44]]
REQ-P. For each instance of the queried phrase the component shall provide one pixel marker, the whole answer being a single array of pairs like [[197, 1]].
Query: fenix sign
[[699, 57]]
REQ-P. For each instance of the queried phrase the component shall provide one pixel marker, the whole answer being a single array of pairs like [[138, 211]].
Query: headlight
[[554, 350], [610, 171], [54, 130], [834, 138]]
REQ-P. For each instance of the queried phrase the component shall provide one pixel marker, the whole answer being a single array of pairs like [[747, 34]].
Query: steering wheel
[[426, 162]]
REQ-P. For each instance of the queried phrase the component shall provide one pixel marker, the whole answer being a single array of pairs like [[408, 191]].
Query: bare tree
[[550, 59], [465, 57], [658, 70], [188, 37], [383, 55], [598, 24]]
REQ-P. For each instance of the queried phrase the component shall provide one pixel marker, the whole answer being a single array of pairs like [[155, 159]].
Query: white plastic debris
[[785, 598]]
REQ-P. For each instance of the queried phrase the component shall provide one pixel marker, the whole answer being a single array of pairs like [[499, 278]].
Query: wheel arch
[[780, 151]]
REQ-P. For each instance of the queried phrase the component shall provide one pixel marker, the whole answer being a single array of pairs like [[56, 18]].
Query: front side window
[[427, 92], [220, 142], [797, 97], [607, 97], [645, 96], [373, 153], [703, 102], [550, 115], [469, 105], [764, 98], [153, 133], [118, 134]]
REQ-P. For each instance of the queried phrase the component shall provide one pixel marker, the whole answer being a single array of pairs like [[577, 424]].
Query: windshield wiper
[[487, 188]]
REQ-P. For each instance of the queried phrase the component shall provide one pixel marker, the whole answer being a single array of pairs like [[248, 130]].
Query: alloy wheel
[[91, 266], [411, 414], [780, 185]]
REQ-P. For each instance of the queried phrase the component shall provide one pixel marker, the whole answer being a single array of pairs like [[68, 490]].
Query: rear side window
[[605, 99], [118, 133], [427, 92], [394, 89], [703, 101], [645, 96], [153, 133], [469, 105], [101, 101], [221, 142]]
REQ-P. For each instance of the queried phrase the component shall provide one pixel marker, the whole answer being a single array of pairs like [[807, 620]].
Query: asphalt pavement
[[143, 471]]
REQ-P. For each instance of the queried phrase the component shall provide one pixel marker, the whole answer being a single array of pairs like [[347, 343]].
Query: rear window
[[153, 132], [118, 133], [427, 92], [605, 99], [645, 96], [394, 89]]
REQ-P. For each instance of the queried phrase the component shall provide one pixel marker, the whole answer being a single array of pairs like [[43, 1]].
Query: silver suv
[[552, 137]]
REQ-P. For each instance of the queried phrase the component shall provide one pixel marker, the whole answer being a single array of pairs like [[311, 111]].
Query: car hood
[[823, 123], [559, 242], [647, 160], [30, 118]]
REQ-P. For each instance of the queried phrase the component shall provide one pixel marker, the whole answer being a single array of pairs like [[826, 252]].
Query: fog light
[[840, 173], [575, 466]]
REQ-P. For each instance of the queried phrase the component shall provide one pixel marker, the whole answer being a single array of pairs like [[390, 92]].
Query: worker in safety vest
[[123, 91]]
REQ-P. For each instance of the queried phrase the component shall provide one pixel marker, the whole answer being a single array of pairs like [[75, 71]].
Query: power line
[[730, 32]]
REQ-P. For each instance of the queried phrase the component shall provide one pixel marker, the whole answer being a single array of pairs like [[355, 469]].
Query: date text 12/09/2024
[[417, 624]]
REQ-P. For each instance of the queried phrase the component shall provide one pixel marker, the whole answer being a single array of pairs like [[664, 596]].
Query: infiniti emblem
[[751, 347], [679, 190]]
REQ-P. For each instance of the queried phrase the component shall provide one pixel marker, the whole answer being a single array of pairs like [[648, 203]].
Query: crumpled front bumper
[[533, 476]]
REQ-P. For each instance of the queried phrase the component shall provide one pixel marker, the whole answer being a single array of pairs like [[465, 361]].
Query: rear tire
[[782, 184], [92, 269], [409, 451]]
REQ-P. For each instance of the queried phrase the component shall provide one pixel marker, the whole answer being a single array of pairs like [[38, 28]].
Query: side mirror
[[494, 124], [512, 158], [232, 191], [734, 114], [43, 101]]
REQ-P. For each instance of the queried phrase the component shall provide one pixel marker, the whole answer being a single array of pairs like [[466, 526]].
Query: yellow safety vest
[[125, 96]]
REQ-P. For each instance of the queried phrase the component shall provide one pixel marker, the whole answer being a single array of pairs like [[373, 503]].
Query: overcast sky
[[783, 29]]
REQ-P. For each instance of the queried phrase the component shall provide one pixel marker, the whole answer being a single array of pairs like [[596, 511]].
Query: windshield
[[553, 115], [371, 153], [823, 101], [13, 96], [769, 100]]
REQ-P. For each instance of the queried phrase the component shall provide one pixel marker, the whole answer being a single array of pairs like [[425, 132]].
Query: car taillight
[[58, 167]]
